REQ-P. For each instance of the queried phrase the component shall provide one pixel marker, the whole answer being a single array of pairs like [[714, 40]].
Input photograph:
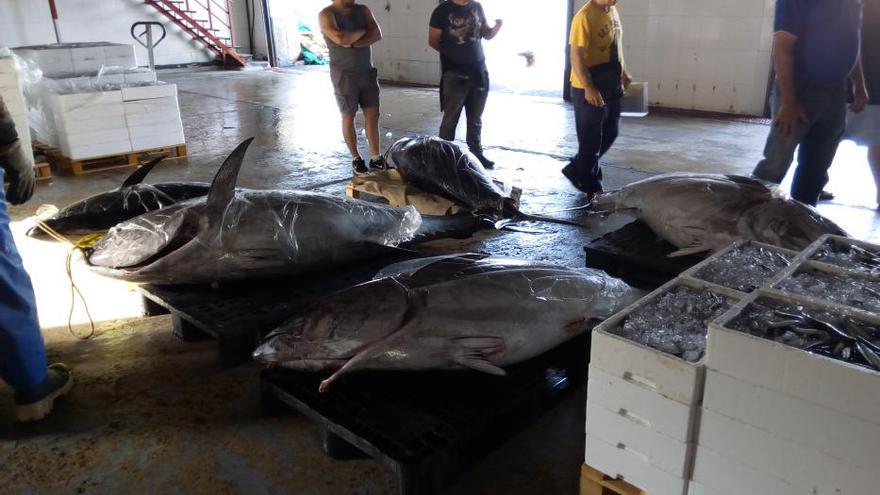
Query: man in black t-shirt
[[456, 30]]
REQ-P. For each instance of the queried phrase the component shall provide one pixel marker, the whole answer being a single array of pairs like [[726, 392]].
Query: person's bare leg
[[350, 134], [874, 162], [371, 124]]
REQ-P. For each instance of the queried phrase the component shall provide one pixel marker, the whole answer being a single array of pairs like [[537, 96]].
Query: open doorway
[[529, 54], [296, 35]]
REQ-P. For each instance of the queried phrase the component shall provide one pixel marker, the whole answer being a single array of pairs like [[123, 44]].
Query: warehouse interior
[[160, 404]]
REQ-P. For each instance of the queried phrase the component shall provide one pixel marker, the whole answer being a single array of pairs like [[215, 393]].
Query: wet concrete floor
[[153, 414]]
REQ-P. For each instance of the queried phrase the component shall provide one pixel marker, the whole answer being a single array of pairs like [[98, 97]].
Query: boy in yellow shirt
[[598, 80]]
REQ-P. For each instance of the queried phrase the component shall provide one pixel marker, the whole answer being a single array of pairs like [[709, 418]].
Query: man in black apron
[[456, 30]]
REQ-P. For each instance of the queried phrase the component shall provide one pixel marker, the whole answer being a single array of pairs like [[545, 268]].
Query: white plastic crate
[[725, 476], [620, 462], [769, 453], [627, 431], [852, 440], [847, 388]]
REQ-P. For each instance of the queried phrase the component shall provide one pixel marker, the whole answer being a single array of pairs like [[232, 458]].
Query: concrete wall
[[712, 55], [28, 22]]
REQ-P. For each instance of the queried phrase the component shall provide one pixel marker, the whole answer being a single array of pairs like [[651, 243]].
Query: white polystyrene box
[[850, 389], [149, 92], [96, 123], [629, 466], [641, 404], [112, 100], [159, 141], [139, 131], [81, 151], [14, 105], [853, 440], [7, 66], [121, 51], [658, 450], [85, 137], [10, 82], [140, 77], [727, 476], [664, 374], [791, 462]]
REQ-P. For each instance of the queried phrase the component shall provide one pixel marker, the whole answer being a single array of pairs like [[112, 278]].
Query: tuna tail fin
[[140, 174], [223, 187]]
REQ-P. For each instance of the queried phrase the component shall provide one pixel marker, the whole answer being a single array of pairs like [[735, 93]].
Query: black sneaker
[[826, 195], [359, 166], [487, 163], [379, 163], [36, 403]]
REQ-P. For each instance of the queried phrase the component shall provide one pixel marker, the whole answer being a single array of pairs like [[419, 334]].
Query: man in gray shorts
[[350, 30]]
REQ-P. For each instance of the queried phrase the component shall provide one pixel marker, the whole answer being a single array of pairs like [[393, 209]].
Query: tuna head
[[149, 238], [104, 210], [326, 335], [786, 223]]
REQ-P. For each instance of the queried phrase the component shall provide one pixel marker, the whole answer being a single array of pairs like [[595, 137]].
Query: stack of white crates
[[78, 58], [152, 116], [643, 405], [11, 91], [780, 420], [101, 123]]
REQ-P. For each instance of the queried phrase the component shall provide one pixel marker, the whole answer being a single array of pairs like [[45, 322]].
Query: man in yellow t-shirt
[[598, 79]]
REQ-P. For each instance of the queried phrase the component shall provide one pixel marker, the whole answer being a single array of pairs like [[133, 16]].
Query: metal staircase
[[208, 22]]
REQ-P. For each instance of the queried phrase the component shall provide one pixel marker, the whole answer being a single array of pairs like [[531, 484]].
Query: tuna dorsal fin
[[223, 187], [140, 174]]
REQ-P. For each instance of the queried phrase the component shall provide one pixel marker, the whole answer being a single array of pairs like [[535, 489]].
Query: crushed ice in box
[[841, 289], [745, 269], [848, 256], [676, 321], [822, 332]]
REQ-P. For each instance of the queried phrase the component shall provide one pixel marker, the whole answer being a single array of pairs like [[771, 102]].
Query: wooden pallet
[[43, 171], [595, 482], [67, 165]]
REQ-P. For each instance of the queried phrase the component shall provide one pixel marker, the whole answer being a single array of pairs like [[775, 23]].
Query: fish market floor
[[154, 414]]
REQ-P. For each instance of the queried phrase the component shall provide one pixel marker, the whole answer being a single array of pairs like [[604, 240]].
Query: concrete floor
[[152, 414]]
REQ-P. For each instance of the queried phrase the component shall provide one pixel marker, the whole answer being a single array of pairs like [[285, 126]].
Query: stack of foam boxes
[[78, 58], [783, 421], [643, 405], [152, 116], [11, 92], [128, 118]]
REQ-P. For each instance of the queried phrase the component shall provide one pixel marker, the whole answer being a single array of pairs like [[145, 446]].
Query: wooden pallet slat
[[595, 482], [109, 162]]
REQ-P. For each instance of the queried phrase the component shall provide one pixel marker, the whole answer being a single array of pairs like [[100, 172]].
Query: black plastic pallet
[[238, 314], [635, 254], [429, 427]]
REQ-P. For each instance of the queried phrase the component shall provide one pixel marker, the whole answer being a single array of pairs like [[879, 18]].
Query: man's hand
[[20, 172], [626, 79], [791, 114], [594, 97], [498, 24], [860, 101]]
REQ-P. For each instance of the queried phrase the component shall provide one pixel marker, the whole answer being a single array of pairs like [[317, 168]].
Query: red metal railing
[[215, 30]]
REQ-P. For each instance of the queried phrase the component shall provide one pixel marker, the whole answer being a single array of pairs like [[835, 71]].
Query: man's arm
[[373, 33], [435, 35], [14, 160], [336, 35], [790, 112], [580, 67], [491, 32], [860, 90]]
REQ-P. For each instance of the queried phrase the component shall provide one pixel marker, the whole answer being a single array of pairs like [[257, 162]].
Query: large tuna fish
[[231, 235], [706, 212], [443, 168], [102, 211], [448, 312]]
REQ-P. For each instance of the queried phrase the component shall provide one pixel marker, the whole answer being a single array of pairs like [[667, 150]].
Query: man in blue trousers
[[22, 354]]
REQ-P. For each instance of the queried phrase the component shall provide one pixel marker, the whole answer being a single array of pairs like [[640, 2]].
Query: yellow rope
[[82, 244]]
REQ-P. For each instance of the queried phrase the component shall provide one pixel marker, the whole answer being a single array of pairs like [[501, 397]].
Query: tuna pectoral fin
[[473, 353]]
